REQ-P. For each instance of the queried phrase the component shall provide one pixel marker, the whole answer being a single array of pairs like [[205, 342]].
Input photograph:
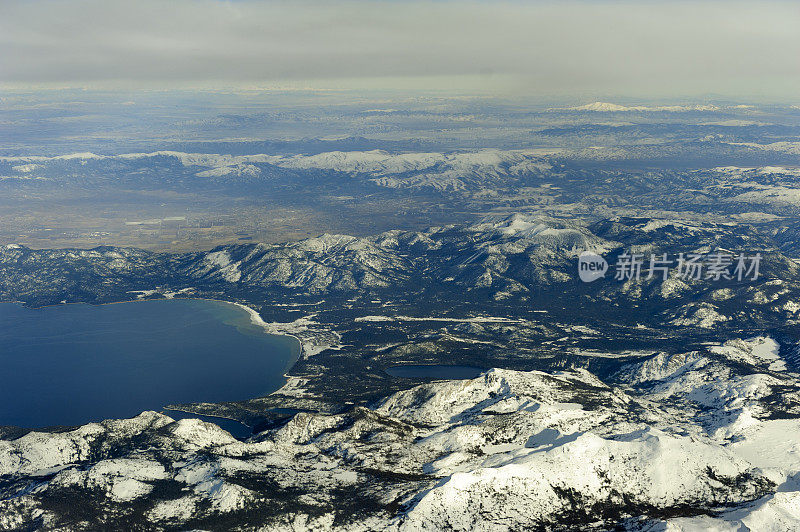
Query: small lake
[[433, 371], [72, 364]]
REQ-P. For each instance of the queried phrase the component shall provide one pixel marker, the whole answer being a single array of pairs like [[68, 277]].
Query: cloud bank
[[628, 48]]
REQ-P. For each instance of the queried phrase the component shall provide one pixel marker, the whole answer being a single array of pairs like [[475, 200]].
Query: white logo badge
[[591, 266]]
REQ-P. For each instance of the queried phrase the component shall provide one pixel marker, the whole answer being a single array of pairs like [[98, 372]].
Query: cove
[[68, 365]]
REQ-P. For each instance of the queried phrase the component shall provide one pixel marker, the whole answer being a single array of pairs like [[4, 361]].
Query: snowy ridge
[[605, 107], [504, 451], [443, 171], [706, 431]]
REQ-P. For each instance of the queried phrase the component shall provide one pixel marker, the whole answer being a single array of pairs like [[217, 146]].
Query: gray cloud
[[634, 48]]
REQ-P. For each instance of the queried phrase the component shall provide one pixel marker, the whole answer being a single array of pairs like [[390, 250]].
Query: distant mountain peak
[[606, 107]]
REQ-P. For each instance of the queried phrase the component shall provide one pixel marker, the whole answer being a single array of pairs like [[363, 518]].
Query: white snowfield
[[682, 442], [606, 107], [773, 513], [378, 162], [783, 146], [443, 171]]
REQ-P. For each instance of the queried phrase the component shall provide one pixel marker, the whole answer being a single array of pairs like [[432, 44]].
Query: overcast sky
[[640, 49]]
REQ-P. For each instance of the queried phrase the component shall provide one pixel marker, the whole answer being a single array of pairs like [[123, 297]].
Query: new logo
[[591, 266]]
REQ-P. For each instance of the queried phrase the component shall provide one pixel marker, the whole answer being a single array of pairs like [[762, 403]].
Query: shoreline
[[308, 345], [270, 328], [255, 317]]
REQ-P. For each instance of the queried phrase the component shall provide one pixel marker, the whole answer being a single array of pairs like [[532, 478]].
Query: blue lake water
[[71, 364], [433, 371]]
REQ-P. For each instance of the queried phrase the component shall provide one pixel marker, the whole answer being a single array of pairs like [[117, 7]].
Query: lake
[[72, 364]]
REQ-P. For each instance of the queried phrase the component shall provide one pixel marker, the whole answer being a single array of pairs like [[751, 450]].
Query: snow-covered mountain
[[441, 171], [508, 450], [650, 404], [388, 235], [606, 107], [512, 257]]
